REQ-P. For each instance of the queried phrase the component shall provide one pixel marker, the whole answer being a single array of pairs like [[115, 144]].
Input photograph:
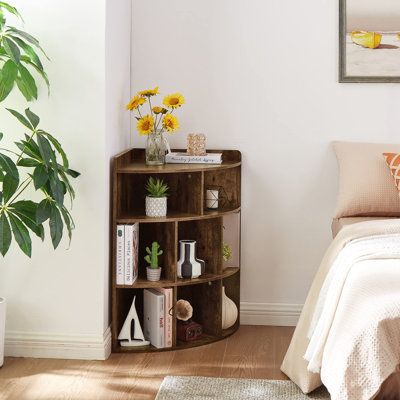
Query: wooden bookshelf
[[187, 218]]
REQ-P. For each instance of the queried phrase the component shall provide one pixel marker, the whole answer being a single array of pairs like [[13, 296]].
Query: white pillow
[[365, 184]]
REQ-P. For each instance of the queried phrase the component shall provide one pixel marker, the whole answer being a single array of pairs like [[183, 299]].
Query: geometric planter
[[156, 206]]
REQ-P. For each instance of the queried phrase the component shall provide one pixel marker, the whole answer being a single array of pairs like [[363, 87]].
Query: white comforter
[[349, 331]]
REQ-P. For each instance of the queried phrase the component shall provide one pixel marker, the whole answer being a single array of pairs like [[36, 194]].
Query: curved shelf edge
[[206, 339], [145, 284], [177, 217], [140, 168]]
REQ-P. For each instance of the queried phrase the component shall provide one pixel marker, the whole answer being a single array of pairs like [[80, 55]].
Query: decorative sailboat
[[131, 334], [371, 40]]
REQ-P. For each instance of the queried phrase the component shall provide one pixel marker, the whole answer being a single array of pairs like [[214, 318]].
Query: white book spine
[[161, 319], [128, 255], [135, 252], [120, 267], [168, 318]]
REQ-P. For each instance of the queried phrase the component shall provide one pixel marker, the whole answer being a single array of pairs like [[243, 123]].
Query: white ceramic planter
[[153, 274], [156, 206], [2, 328], [229, 311]]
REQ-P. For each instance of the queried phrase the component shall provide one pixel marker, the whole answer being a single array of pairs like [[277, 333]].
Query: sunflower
[[159, 110], [149, 92], [174, 100], [135, 103], [145, 125], [170, 123]]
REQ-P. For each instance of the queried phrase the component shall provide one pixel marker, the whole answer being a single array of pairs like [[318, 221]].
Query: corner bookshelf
[[187, 218]]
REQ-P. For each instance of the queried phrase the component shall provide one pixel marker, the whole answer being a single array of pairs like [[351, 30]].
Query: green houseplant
[[36, 162], [156, 199], [153, 269]]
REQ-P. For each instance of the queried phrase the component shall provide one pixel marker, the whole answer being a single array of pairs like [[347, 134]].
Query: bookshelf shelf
[[187, 218]]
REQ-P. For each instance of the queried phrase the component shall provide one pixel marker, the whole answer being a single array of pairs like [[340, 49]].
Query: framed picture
[[369, 41]]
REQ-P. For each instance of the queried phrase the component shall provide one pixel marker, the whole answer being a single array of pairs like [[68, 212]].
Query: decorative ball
[[184, 310]]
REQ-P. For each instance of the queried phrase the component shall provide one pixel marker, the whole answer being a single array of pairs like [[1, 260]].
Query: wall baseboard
[[44, 345], [275, 314]]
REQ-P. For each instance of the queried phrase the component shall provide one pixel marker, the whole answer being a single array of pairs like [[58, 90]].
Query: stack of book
[[127, 254], [157, 307], [184, 158]]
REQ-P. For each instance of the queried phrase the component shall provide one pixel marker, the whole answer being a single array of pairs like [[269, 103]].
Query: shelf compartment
[[231, 237], [184, 194], [232, 290], [230, 181], [208, 236], [165, 234], [205, 299]]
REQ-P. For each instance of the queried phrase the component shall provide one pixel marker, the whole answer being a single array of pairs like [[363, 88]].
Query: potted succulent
[[35, 176], [156, 199], [153, 270]]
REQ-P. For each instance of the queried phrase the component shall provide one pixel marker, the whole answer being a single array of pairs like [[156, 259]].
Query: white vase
[[2, 328], [188, 265], [156, 206], [229, 311], [153, 274]]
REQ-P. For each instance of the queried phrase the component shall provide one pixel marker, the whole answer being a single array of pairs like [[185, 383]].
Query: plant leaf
[[57, 189], [21, 118], [33, 118], [5, 234], [10, 186], [21, 235], [28, 81], [28, 162], [56, 226], [10, 9], [11, 49], [58, 147], [29, 51], [23, 89], [73, 173], [43, 74], [26, 211], [27, 37], [8, 75], [40, 176], [43, 211], [1, 135], [69, 223]]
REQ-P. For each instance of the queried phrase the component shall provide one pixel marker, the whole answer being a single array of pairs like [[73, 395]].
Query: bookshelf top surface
[[132, 162]]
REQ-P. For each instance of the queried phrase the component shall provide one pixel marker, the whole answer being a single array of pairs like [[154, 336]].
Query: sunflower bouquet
[[158, 120]]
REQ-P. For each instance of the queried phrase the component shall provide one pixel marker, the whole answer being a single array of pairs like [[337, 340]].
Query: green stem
[[23, 150], [20, 192], [10, 151]]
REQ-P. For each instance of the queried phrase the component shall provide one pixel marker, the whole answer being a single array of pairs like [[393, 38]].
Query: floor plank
[[252, 352]]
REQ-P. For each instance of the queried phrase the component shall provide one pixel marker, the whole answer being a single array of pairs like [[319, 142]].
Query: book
[[128, 255], [120, 254], [184, 158], [135, 252], [167, 315], [154, 311]]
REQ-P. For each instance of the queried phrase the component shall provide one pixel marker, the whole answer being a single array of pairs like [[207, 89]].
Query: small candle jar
[[212, 198], [196, 144]]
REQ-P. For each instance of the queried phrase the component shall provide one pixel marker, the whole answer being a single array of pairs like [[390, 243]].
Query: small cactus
[[152, 255]]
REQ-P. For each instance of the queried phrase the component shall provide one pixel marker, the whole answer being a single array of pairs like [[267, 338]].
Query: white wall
[[61, 297], [261, 76]]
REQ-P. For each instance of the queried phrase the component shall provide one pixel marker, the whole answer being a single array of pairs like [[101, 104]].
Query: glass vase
[[155, 149]]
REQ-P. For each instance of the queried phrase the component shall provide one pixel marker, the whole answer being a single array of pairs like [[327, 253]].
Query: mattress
[[339, 223]]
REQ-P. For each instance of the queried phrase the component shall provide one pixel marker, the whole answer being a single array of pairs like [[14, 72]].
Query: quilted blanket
[[349, 332]]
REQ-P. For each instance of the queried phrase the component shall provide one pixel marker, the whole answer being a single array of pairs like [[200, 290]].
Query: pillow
[[393, 162], [365, 184]]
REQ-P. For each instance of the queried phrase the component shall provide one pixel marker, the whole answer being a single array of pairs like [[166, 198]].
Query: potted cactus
[[156, 199], [153, 270]]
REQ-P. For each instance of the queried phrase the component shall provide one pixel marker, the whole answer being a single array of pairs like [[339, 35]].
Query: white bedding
[[349, 329]]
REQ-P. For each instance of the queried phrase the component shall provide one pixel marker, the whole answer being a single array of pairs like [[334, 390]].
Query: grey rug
[[199, 388]]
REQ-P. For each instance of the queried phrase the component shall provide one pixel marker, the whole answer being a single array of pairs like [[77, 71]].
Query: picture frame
[[349, 53]]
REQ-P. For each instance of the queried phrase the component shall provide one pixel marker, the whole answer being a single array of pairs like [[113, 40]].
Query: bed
[[348, 334]]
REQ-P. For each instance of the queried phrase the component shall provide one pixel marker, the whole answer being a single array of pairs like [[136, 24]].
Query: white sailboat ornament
[[131, 334]]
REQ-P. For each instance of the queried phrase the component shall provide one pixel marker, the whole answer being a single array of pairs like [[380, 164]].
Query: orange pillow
[[393, 161]]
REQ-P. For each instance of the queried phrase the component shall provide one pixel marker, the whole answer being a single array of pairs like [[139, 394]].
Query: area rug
[[200, 388]]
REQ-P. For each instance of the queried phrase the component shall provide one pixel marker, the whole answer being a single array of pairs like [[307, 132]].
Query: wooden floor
[[252, 352]]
